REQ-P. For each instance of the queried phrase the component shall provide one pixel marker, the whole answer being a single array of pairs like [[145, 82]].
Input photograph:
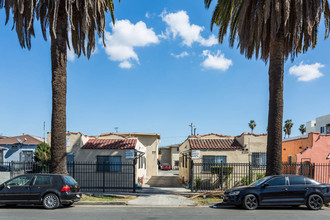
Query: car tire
[[51, 201], [250, 202], [314, 202]]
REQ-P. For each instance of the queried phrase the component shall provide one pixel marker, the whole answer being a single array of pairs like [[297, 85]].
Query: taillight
[[65, 188]]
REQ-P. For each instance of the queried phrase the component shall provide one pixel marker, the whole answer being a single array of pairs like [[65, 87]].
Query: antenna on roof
[[192, 127], [19, 140], [116, 128]]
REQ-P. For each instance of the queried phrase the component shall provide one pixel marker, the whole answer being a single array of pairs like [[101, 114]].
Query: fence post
[[250, 173], [192, 175], [134, 174], [73, 168], [104, 175], [221, 175]]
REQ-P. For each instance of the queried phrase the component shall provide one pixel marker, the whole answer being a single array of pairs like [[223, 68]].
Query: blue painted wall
[[14, 155]]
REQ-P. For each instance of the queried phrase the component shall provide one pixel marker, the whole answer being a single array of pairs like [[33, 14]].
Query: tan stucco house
[[150, 141], [215, 148], [113, 153], [170, 155]]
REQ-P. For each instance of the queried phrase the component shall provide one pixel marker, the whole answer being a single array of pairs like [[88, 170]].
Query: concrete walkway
[[161, 200]]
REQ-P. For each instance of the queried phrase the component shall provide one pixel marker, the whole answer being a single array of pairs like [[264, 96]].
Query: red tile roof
[[26, 139], [214, 144], [118, 144]]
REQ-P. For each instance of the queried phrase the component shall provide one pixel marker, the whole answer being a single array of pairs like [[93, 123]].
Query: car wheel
[[314, 202], [51, 201], [250, 202]]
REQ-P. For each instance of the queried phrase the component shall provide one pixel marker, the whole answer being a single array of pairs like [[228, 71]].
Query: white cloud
[[216, 61], [124, 38], [181, 55], [147, 15], [179, 24], [306, 72], [125, 65]]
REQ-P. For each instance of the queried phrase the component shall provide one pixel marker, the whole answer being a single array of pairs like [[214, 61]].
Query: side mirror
[[265, 185]]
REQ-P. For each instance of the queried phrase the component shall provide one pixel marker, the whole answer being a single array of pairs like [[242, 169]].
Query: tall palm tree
[[302, 129], [252, 125], [82, 18], [285, 129], [273, 29], [288, 125]]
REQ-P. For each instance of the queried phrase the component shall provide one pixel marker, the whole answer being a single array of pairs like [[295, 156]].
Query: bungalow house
[[74, 141], [114, 156], [313, 148], [18, 148], [310, 150], [170, 155], [215, 148], [150, 141]]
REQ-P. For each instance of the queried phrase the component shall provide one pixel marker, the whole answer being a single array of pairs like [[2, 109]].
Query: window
[[176, 163], [327, 127], [1, 156], [258, 159], [322, 130], [26, 156], [20, 181], [290, 159], [277, 181], [108, 163], [15, 147], [209, 161], [296, 180], [70, 160], [43, 180], [69, 180]]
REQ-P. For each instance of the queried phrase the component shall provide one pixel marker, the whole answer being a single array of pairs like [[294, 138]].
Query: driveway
[[166, 179]]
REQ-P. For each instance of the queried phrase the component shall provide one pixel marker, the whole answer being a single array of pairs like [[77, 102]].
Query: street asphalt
[[136, 213]]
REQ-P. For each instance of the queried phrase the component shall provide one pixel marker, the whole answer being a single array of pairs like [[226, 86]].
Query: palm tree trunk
[[275, 114], [59, 87]]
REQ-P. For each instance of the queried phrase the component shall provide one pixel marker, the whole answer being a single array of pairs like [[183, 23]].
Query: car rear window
[[69, 180]]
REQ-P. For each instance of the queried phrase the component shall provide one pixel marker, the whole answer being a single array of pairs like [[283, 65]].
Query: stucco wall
[[174, 157], [14, 155], [4, 176], [293, 147], [166, 155], [318, 152]]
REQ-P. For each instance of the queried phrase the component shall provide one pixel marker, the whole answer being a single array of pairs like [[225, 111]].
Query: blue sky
[[162, 69]]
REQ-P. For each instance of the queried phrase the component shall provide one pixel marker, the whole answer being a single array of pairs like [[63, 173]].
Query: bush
[[197, 182]]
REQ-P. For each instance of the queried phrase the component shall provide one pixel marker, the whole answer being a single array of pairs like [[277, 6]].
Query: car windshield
[[260, 181], [165, 164]]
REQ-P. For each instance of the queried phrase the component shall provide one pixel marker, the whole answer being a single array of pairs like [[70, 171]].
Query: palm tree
[[82, 18], [252, 125], [302, 129], [288, 125], [285, 129], [274, 30]]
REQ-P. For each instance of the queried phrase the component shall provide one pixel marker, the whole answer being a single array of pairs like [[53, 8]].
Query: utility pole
[[44, 132], [192, 128]]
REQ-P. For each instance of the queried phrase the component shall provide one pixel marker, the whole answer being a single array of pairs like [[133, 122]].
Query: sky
[[161, 69]]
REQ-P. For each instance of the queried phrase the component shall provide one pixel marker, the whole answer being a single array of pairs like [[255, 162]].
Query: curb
[[100, 203]]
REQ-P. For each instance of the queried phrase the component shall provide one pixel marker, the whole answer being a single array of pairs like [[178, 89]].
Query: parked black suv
[[50, 190], [280, 190]]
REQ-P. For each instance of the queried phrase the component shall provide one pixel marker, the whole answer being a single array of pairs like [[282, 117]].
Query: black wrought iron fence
[[223, 176], [91, 176]]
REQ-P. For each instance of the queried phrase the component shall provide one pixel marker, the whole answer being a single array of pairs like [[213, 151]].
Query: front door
[[17, 189], [274, 192]]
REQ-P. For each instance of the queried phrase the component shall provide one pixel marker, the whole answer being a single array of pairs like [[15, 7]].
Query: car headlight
[[234, 193]]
